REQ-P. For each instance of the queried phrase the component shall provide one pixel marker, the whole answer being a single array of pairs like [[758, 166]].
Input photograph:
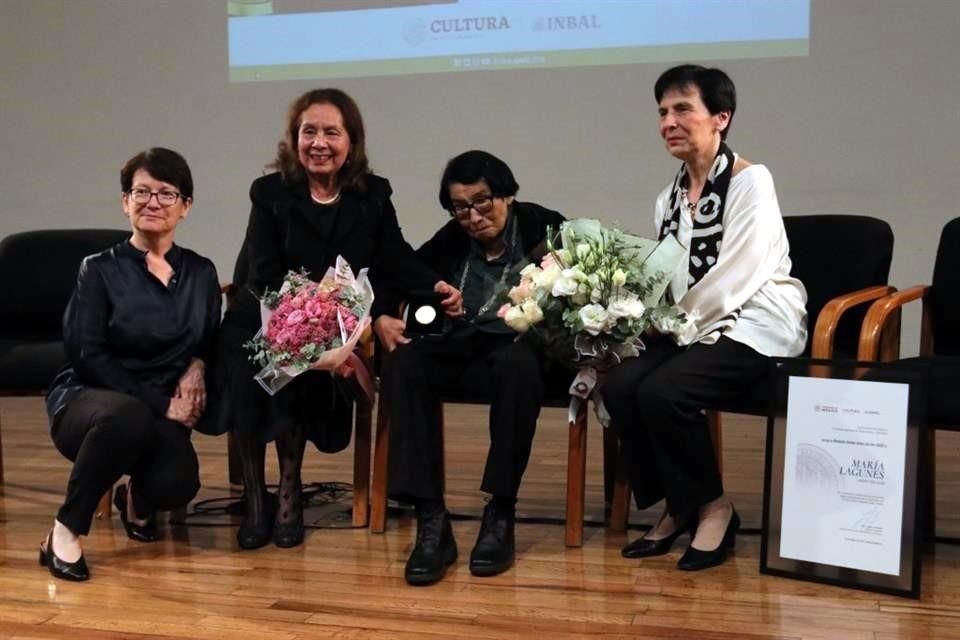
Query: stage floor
[[348, 583]]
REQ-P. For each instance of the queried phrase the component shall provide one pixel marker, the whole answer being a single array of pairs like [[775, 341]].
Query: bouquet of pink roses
[[311, 325]]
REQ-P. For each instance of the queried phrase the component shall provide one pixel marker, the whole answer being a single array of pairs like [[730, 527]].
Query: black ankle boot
[[254, 534], [435, 549], [494, 550]]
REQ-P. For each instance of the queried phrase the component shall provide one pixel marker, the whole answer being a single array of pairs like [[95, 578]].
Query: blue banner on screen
[[299, 39]]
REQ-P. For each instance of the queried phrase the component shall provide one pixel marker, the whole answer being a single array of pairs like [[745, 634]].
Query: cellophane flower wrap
[[310, 325], [588, 301]]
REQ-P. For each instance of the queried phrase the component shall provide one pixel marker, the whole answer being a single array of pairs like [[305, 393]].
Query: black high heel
[[141, 533], [695, 559], [646, 548], [289, 534], [73, 571], [257, 534]]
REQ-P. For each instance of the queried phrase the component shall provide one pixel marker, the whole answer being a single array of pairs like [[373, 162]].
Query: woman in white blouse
[[745, 308]]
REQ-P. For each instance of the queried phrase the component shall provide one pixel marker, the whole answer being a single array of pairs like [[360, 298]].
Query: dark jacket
[[287, 232], [447, 250]]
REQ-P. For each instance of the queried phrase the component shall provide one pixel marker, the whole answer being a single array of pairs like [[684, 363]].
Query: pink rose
[[502, 311]]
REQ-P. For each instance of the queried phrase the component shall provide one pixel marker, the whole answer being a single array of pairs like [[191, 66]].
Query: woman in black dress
[[322, 202]]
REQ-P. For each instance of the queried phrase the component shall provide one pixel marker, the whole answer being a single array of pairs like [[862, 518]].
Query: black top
[[450, 247], [287, 231], [125, 331]]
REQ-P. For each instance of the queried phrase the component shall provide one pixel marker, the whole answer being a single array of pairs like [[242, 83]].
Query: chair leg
[[378, 488], [576, 478], [620, 504], [611, 449], [361, 463], [233, 461], [715, 425], [930, 490]]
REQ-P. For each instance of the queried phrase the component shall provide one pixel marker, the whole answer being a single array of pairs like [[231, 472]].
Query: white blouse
[[752, 276]]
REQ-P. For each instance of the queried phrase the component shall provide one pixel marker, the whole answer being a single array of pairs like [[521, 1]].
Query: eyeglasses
[[165, 197], [482, 205]]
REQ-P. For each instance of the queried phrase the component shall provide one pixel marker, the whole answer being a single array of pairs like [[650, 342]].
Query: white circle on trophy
[[425, 314]]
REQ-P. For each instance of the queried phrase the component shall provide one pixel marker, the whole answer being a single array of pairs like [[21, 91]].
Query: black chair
[[939, 345], [843, 262], [38, 271]]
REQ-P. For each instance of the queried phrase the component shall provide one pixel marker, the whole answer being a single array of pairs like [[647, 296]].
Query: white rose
[[596, 294], [516, 320], [595, 318], [619, 278], [529, 270], [532, 312], [629, 307], [545, 278], [564, 285]]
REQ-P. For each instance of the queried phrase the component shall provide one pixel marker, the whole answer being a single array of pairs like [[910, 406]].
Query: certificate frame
[[907, 582]]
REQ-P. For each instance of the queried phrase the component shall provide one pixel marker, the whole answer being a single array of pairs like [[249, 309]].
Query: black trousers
[[477, 368], [656, 403], [108, 434]]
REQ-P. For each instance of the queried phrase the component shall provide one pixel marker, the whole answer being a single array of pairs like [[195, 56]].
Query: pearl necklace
[[329, 200]]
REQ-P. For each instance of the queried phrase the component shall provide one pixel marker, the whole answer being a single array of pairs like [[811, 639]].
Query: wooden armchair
[[843, 262], [939, 345]]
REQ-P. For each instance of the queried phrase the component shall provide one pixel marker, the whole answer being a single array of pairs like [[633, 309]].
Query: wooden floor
[[348, 583]]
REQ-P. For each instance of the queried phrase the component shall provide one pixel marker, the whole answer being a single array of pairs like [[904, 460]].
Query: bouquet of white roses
[[589, 302]]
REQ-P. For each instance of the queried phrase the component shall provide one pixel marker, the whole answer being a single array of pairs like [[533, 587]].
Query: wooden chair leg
[[233, 461], [576, 478], [620, 504], [361, 464], [378, 487], [715, 425], [611, 449]]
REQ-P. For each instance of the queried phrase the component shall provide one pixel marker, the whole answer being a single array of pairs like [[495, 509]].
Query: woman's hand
[[192, 387], [390, 331], [184, 411], [453, 300]]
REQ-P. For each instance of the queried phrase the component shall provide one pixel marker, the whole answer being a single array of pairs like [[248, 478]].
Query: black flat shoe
[[695, 559], [495, 548], [258, 534], [141, 533], [73, 571], [647, 548], [434, 551]]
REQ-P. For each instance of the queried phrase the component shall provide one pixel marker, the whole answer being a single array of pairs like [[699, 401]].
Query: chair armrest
[[880, 313], [826, 327]]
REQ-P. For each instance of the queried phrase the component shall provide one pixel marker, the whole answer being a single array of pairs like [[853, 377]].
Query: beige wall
[[867, 124]]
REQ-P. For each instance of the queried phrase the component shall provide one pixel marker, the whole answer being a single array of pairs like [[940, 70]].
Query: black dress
[[288, 231]]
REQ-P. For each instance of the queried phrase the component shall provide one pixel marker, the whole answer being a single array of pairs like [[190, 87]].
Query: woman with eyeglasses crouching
[[488, 239], [137, 332]]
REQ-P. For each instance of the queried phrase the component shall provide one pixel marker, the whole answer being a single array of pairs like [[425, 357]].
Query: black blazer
[[284, 234]]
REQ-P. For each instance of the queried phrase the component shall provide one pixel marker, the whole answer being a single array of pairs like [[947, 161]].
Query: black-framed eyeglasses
[[482, 205], [165, 197]]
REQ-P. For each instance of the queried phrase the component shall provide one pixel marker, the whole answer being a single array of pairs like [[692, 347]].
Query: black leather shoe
[[141, 533], [695, 559], [434, 551], [73, 571], [495, 548], [646, 548], [253, 535]]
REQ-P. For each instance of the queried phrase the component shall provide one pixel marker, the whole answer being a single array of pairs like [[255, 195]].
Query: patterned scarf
[[708, 215]]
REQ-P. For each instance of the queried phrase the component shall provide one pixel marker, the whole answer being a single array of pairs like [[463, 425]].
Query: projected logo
[[415, 32]]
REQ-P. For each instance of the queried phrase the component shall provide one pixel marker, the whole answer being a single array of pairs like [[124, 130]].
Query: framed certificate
[[841, 498]]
